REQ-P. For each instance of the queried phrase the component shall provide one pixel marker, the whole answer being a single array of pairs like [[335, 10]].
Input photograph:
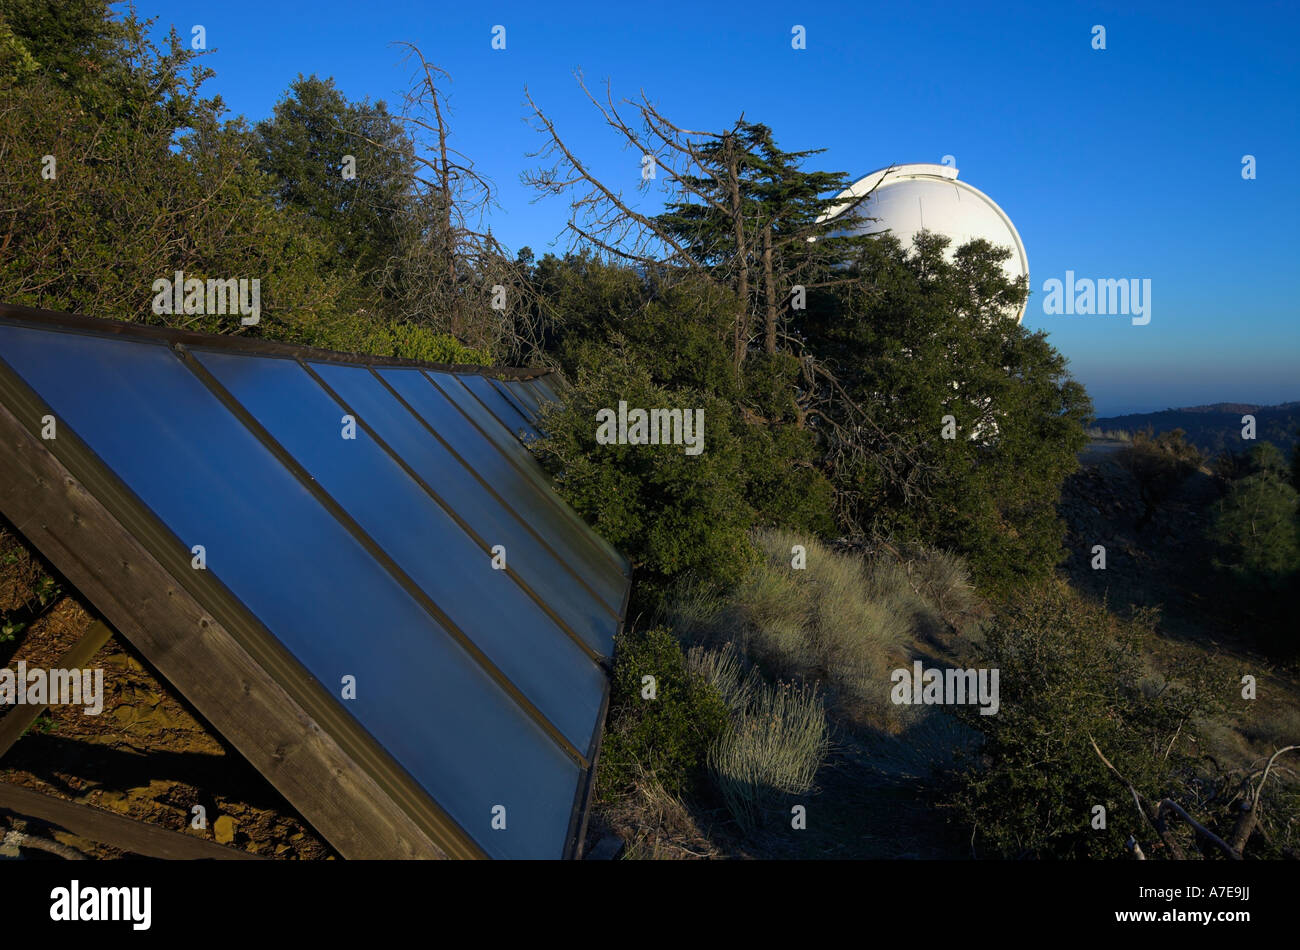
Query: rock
[[607, 849], [114, 801], [224, 829]]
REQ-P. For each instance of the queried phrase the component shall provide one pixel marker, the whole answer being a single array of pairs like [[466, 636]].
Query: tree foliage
[[117, 171], [1255, 537], [921, 343], [663, 725], [313, 128], [1072, 689]]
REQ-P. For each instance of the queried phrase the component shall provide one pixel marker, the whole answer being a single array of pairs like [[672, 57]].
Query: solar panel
[[496, 403], [542, 386], [510, 444], [523, 396], [419, 536], [487, 504], [479, 438], [351, 521]]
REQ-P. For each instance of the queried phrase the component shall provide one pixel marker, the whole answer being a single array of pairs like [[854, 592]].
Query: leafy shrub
[[1070, 674], [667, 737], [412, 342], [1254, 525], [1255, 533], [1160, 463], [669, 512], [624, 335]]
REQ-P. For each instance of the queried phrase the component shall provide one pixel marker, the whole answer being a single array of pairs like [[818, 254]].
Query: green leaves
[[1071, 674], [917, 338], [668, 735], [358, 204]]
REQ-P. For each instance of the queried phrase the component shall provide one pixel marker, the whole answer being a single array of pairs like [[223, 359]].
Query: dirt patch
[[148, 755]]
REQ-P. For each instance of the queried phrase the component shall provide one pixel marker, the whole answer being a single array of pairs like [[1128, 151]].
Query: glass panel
[[543, 387], [523, 394], [520, 482], [420, 536], [309, 582], [499, 406], [522, 407], [475, 504], [511, 444], [515, 447]]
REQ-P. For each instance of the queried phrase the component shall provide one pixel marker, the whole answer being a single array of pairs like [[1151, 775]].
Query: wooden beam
[[19, 719], [128, 834], [326, 769]]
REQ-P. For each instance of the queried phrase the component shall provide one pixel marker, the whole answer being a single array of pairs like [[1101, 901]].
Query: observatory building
[[905, 199]]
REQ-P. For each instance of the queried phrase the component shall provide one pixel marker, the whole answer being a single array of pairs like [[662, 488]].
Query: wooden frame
[[19, 719], [327, 780], [128, 834]]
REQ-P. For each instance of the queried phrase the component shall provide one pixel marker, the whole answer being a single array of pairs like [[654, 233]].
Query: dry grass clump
[[1114, 435], [840, 621], [774, 749], [942, 581], [656, 825], [735, 679], [777, 740]]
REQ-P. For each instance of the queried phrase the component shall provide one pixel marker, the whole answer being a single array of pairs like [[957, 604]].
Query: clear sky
[[1117, 163]]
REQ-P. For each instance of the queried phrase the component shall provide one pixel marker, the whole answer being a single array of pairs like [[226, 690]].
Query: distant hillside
[[1217, 427]]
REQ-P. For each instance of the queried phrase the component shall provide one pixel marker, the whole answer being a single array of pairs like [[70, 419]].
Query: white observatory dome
[[908, 198]]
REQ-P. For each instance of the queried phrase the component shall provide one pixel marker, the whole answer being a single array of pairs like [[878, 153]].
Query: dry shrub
[[942, 581], [777, 740], [726, 668], [841, 621], [774, 748], [657, 825]]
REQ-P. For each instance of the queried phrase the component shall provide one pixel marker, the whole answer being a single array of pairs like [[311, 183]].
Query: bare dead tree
[[693, 168], [1250, 810], [452, 272]]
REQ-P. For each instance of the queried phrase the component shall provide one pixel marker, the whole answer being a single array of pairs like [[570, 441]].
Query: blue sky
[[1116, 163]]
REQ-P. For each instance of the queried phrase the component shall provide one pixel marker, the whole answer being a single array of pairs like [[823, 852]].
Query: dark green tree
[[946, 421], [1255, 524], [357, 201], [753, 214]]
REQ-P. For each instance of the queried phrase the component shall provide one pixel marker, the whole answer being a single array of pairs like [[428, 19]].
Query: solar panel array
[[383, 523]]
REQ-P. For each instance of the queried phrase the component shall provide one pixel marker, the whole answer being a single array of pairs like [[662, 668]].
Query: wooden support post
[[19, 719], [130, 835]]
